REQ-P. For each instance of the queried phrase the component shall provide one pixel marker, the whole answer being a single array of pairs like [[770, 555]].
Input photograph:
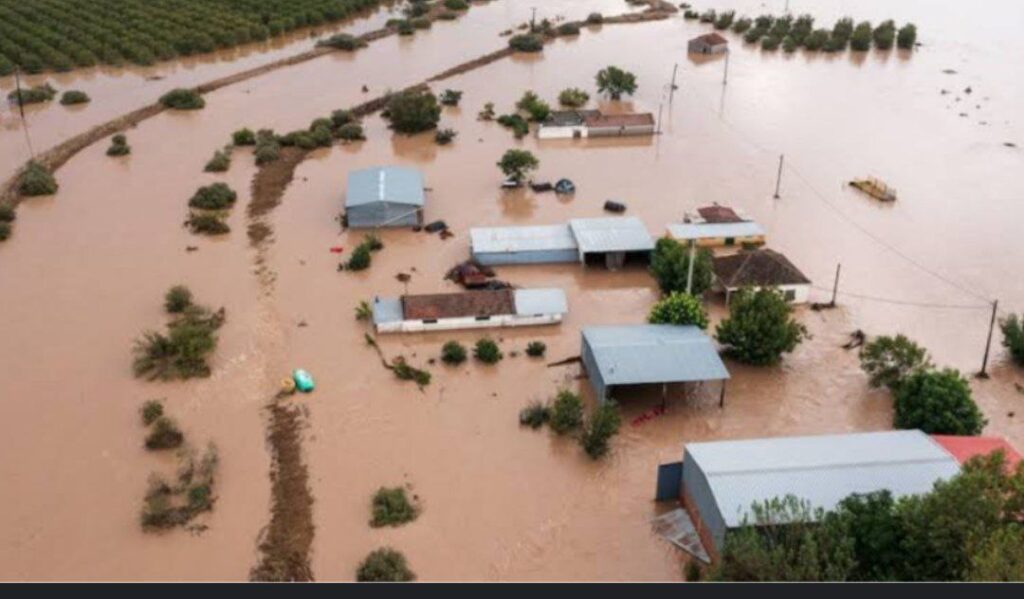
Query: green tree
[[573, 97], [516, 163], [1001, 557], [890, 360], [785, 540], [526, 42], [670, 266], [36, 180], [537, 109], [1013, 336], [413, 112], [177, 299], [872, 523], [453, 353], [566, 412], [938, 403], [760, 327], [679, 308], [487, 351], [599, 429], [614, 82], [384, 565], [907, 36]]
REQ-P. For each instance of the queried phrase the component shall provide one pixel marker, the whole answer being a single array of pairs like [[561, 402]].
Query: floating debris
[[875, 188], [403, 277], [434, 227], [541, 187], [613, 206], [1009, 144]]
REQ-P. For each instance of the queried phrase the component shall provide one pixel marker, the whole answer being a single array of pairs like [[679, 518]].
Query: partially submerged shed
[[761, 268], [469, 310], [709, 43], [719, 481], [565, 124], [648, 354], [390, 196], [611, 240], [546, 244]]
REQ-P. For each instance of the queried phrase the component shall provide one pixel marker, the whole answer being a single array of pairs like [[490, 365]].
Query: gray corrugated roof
[[540, 301], [394, 184], [654, 353], [714, 230], [611, 234], [387, 309], [521, 239], [821, 469]]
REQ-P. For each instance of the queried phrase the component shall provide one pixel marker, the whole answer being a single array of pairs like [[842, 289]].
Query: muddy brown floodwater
[[85, 271]]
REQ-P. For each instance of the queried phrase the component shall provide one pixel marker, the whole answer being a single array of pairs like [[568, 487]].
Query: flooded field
[[85, 271]]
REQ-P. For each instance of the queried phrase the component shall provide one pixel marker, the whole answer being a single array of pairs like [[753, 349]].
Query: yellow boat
[[875, 188]]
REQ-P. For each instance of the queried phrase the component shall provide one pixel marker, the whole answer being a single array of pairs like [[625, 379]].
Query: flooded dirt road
[[85, 271]]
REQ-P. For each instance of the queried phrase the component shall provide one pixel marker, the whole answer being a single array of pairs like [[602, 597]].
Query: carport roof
[[654, 353], [611, 234]]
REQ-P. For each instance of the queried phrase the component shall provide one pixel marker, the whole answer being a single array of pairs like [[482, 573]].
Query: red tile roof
[[597, 119], [458, 305], [712, 39], [719, 214], [965, 448]]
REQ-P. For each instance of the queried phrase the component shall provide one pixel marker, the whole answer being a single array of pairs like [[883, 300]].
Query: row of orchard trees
[[791, 33], [61, 35]]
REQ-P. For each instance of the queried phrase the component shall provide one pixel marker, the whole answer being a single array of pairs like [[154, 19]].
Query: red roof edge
[[964, 448]]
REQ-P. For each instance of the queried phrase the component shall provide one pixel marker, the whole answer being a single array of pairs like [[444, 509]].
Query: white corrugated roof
[[393, 184], [714, 230], [611, 234], [530, 302], [654, 353], [821, 469], [521, 239]]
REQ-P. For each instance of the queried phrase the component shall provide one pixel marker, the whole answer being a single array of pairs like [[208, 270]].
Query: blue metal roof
[[714, 230], [821, 469], [611, 234], [654, 353], [531, 302], [392, 184]]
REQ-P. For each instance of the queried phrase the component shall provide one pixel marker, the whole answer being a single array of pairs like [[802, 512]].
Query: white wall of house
[[549, 132], [469, 322]]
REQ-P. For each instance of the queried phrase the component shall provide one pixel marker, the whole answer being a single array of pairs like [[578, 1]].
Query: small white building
[[565, 124], [718, 226], [469, 310], [574, 124], [761, 268]]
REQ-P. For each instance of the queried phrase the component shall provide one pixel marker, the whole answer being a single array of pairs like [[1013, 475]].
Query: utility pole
[[988, 344], [533, 20], [659, 118], [725, 77], [835, 286], [21, 110], [689, 267], [778, 177], [672, 88]]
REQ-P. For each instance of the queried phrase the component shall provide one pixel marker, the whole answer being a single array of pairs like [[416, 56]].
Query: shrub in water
[[341, 117], [165, 435], [486, 113], [595, 18], [183, 99], [679, 308], [526, 42], [7, 214], [37, 181], [177, 299], [32, 95], [151, 410], [384, 565], [573, 97], [5, 230], [420, 23], [73, 96], [360, 259], [351, 132], [413, 112], [566, 412], [532, 104], [119, 146], [364, 311], [450, 97], [534, 415], [885, 35], [536, 349], [406, 372], [568, 29], [220, 162], [860, 40], [207, 224], [453, 353], [243, 137], [456, 4], [217, 196], [906, 37], [343, 41], [516, 123], [487, 351], [1013, 336], [391, 507], [600, 428], [406, 28], [938, 403], [268, 148], [444, 136], [447, 15]]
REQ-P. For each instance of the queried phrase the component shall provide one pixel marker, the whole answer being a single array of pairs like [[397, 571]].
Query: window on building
[[730, 241], [483, 318], [790, 294], [429, 321]]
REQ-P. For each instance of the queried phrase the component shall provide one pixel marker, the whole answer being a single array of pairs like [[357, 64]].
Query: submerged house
[[608, 240], [568, 124], [717, 482], [709, 43], [615, 357], [469, 310], [761, 268], [718, 226], [390, 196]]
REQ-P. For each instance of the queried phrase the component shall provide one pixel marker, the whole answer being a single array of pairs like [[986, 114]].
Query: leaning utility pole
[[835, 286], [725, 76], [533, 19], [672, 88], [689, 267], [21, 110], [988, 344], [658, 132], [778, 177]]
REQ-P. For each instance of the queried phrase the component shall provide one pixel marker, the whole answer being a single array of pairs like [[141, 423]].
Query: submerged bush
[[487, 351], [182, 352], [536, 349], [5, 230], [343, 41], [32, 95], [37, 181], [391, 507], [217, 196], [573, 97], [884, 35], [568, 29], [151, 410], [119, 146], [7, 214], [907, 36], [220, 162], [177, 299], [165, 435], [526, 42], [520, 128], [406, 372], [268, 148], [600, 428], [679, 308], [456, 4], [860, 39], [183, 99], [207, 224], [595, 18], [534, 415], [566, 412], [74, 96], [413, 112], [384, 565], [443, 137], [243, 137], [453, 353], [450, 97], [360, 258]]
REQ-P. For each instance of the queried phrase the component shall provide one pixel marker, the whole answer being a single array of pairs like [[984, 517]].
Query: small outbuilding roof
[[714, 230], [611, 234], [758, 268], [457, 305], [521, 239], [711, 39], [964, 448], [653, 353], [568, 118], [392, 184], [598, 120], [535, 302], [719, 214], [821, 469]]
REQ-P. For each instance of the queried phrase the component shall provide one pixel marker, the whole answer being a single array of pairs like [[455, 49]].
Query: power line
[[898, 302]]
